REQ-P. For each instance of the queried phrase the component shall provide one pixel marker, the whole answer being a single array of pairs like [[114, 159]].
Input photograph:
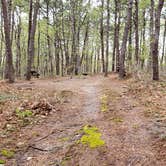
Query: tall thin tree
[[156, 41], [107, 37], [124, 42], [31, 40], [9, 56]]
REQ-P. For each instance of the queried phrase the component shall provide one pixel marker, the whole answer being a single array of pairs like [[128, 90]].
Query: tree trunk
[[57, 56], [107, 39], [38, 42], [136, 32], [151, 34], [51, 71], [1, 47], [124, 42], [156, 41], [102, 36], [74, 49], [85, 42], [117, 37], [130, 45], [143, 39], [32, 40], [18, 55], [163, 49], [9, 56]]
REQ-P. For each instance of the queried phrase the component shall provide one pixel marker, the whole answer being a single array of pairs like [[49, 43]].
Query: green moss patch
[[23, 114], [2, 161], [7, 153], [104, 103], [92, 137], [117, 119]]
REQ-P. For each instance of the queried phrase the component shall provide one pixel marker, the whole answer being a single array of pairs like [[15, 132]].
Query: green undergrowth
[[104, 103], [23, 114], [2, 161], [117, 119], [92, 137], [7, 153]]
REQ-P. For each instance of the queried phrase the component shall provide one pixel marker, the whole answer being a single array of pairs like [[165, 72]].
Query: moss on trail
[[2, 161], [92, 137], [7, 153], [104, 103]]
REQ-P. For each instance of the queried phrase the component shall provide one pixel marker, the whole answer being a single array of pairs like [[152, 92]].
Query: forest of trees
[[69, 37]]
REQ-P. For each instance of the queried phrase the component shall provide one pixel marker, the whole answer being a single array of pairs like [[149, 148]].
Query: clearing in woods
[[104, 103]]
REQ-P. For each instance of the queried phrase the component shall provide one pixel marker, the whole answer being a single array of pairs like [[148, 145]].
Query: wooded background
[[62, 37]]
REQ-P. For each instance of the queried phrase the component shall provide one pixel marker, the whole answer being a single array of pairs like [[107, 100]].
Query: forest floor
[[58, 122]]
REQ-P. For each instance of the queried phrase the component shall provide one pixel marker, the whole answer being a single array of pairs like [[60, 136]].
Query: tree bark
[[143, 39], [115, 35], [32, 40], [107, 38], [163, 49], [136, 22], [151, 34], [124, 42], [102, 36], [9, 56], [156, 41], [51, 71], [18, 44], [130, 44]]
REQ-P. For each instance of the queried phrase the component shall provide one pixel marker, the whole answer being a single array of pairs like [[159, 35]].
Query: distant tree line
[[69, 37]]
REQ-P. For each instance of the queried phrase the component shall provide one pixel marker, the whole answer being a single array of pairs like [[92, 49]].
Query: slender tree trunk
[[18, 44], [30, 20], [98, 60], [1, 47], [107, 39], [163, 49], [143, 38], [38, 42], [85, 42], [9, 11], [136, 20], [48, 41], [95, 56], [130, 45], [57, 56], [117, 38], [102, 36], [124, 42], [115, 35], [66, 43], [156, 41], [77, 58], [74, 49], [32, 40], [9, 59], [151, 34]]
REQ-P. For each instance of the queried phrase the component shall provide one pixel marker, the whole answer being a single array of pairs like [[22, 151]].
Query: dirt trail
[[123, 127]]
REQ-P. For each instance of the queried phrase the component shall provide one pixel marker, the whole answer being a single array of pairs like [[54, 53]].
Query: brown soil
[[53, 141]]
